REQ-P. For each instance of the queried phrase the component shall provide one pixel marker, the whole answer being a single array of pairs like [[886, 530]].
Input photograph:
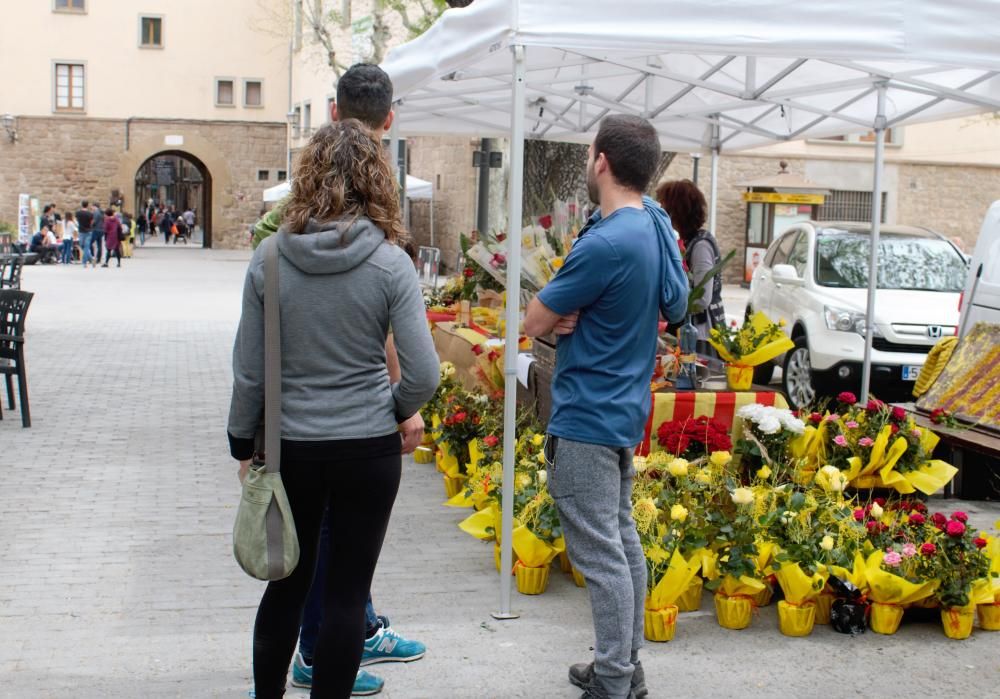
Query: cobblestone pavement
[[116, 577]]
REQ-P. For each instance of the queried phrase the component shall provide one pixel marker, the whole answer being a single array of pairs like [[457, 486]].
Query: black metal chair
[[10, 271], [13, 310]]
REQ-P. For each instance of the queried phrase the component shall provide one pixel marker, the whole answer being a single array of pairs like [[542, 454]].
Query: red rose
[[918, 506], [460, 417], [928, 549], [815, 418], [939, 520], [880, 502], [468, 272], [980, 542], [872, 525], [477, 350], [545, 222], [917, 519], [491, 440], [476, 419], [898, 414], [448, 421], [938, 416], [874, 405], [859, 515], [847, 398], [954, 528], [960, 516], [894, 428]]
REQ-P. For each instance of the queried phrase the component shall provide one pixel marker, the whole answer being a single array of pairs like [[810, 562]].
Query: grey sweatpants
[[592, 488]]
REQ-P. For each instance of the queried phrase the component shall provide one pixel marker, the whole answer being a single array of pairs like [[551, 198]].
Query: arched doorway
[[174, 178]]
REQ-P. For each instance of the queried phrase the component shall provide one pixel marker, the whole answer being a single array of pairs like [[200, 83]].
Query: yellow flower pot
[[660, 624], [690, 599], [739, 378], [824, 603], [531, 581], [763, 598], [796, 620], [733, 612], [564, 564], [453, 485], [578, 578], [885, 618], [989, 616], [957, 622], [424, 454]]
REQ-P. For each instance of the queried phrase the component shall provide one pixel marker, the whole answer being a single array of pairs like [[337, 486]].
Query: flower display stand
[[690, 599], [733, 612], [989, 616], [824, 603], [885, 618], [531, 581], [660, 624], [796, 620], [957, 622]]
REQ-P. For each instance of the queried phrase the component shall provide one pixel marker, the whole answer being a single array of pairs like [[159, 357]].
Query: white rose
[[543, 477], [769, 425], [877, 511], [742, 496]]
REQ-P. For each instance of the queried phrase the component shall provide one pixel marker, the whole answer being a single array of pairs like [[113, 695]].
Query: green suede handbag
[[264, 539]]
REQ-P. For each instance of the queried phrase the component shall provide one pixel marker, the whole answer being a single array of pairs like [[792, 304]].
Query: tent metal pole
[[713, 207], [880, 122], [513, 319]]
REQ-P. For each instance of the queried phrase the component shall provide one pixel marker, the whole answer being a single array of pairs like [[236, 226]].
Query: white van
[[981, 298]]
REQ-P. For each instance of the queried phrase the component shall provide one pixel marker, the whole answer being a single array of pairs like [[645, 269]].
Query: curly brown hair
[[685, 204], [341, 173]]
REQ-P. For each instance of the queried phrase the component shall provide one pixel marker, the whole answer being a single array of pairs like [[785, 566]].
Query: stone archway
[[199, 151], [176, 178]]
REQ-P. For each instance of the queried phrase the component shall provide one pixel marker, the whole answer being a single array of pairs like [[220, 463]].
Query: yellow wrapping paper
[[993, 551], [531, 580], [477, 524], [733, 612], [674, 582], [708, 561], [957, 622], [799, 587], [989, 616], [475, 454], [446, 461], [690, 600], [796, 620], [659, 625], [888, 588], [880, 471], [453, 485], [764, 353], [436, 426], [743, 586], [532, 551], [765, 557], [885, 618], [856, 576]]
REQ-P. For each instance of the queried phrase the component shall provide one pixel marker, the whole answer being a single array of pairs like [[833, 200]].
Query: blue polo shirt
[[600, 390]]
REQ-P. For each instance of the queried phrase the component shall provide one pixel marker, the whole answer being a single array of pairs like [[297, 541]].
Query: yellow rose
[[538, 440], [703, 476], [827, 543], [541, 457], [557, 262], [763, 473], [678, 467], [678, 513], [543, 477], [742, 496], [522, 481], [720, 458]]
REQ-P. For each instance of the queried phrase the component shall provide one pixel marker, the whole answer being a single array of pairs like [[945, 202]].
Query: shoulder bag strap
[[272, 361]]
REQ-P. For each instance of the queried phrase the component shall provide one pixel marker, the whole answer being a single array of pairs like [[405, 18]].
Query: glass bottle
[[687, 337]]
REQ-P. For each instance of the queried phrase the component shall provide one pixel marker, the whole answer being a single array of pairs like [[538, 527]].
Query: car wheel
[[797, 379]]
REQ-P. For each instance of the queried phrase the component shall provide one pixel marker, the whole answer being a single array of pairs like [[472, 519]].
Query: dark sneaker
[[582, 675]]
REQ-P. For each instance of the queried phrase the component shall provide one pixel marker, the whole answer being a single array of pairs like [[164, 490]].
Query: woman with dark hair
[[344, 281], [112, 237], [685, 204]]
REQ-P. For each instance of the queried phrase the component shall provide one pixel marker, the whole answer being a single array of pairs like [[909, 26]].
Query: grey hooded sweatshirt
[[342, 286]]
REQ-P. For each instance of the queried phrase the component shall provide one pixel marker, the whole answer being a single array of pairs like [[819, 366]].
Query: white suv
[[815, 277]]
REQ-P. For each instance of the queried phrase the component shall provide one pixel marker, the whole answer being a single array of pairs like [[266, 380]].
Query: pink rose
[[859, 515], [840, 440], [955, 528], [909, 550], [851, 424], [892, 559], [960, 516], [865, 442], [917, 519], [832, 417]]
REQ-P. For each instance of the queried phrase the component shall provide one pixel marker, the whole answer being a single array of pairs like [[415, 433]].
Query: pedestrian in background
[[70, 235], [112, 236], [99, 232], [85, 220]]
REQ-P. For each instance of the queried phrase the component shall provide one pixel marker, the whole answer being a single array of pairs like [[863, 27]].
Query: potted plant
[[757, 341]]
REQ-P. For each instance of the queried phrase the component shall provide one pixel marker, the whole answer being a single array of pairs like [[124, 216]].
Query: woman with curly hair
[[685, 204], [344, 281]]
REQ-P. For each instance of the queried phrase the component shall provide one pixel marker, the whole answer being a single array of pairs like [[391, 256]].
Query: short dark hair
[[685, 204], [364, 92], [84, 204], [632, 148]]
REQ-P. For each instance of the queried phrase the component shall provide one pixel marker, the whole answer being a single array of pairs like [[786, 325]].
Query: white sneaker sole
[[375, 661]]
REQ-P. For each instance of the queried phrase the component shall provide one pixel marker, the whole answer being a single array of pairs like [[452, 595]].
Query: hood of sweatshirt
[[331, 247]]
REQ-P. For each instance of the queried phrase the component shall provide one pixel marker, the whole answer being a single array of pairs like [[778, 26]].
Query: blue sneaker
[[387, 646], [365, 684]]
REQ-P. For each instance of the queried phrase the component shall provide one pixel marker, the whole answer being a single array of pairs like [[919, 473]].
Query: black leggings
[[359, 479], [117, 252]]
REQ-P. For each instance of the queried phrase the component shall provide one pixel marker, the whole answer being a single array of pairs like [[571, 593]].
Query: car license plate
[[910, 373]]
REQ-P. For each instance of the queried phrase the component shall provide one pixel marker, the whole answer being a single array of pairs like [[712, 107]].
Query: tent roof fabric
[[729, 73], [416, 188]]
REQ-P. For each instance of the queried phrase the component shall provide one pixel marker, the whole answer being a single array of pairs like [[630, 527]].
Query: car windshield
[[904, 262]]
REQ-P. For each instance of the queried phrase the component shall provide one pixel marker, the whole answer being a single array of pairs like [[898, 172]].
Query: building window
[[841, 205], [151, 32], [330, 101], [282, 176], [70, 85], [69, 6], [263, 175], [297, 121], [307, 120], [297, 11], [224, 92], [253, 93]]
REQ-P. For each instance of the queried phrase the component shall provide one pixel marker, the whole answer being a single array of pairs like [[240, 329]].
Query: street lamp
[[10, 126], [292, 117]]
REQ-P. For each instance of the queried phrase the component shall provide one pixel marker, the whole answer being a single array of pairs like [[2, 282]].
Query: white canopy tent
[[718, 74]]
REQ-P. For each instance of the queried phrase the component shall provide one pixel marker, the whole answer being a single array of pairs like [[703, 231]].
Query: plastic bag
[[849, 611]]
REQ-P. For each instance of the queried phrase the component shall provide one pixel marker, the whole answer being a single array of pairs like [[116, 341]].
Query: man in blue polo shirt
[[622, 274]]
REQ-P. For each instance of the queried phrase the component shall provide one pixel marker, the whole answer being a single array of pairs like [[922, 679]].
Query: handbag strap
[[272, 361]]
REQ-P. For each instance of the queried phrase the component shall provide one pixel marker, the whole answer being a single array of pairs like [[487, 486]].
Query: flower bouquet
[[897, 578], [766, 438], [736, 542], [962, 566], [989, 607], [461, 422], [757, 341], [693, 438]]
